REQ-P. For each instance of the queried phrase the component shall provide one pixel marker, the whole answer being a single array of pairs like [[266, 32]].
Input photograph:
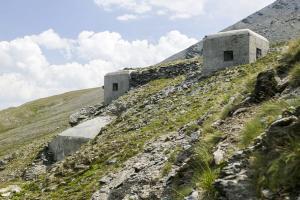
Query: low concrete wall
[[143, 76], [69, 141]]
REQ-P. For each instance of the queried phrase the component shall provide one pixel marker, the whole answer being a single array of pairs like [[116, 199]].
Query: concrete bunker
[[238, 47], [115, 85], [70, 141]]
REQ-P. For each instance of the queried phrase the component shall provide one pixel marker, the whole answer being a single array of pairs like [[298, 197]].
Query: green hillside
[[24, 130]]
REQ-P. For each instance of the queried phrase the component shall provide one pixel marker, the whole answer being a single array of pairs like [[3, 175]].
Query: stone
[[194, 196], [239, 111], [141, 176], [84, 114], [217, 123], [2, 165], [266, 86], [267, 194], [33, 172], [112, 161], [8, 191], [218, 156]]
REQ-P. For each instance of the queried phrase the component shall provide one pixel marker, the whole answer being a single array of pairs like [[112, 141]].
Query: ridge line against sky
[[70, 44]]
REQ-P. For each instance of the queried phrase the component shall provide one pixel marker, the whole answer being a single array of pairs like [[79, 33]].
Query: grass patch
[[295, 75], [269, 112], [279, 168], [293, 54]]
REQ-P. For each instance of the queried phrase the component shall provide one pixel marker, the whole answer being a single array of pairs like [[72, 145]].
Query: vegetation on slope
[[148, 118], [160, 108], [279, 169], [24, 130]]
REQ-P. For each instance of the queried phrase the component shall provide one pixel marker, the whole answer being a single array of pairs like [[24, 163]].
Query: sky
[[55, 46]]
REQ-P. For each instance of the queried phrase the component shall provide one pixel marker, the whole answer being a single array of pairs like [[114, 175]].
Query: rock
[[33, 172], [8, 191], [267, 194], [142, 176], [112, 161], [105, 180], [81, 167], [218, 156], [84, 114], [193, 196], [217, 123], [2, 165], [239, 111], [266, 86]]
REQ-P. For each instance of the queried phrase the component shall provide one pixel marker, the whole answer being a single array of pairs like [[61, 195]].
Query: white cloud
[[127, 17], [27, 74], [173, 8]]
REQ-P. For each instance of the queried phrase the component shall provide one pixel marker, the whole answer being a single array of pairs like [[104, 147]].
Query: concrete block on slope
[[69, 141]]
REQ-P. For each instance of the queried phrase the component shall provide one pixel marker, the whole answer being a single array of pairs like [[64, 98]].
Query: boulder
[[9, 191], [84, 114], [266, 86]]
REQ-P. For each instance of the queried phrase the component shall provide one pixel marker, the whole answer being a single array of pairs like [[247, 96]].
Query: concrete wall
[[257, 41], [122, 78], [243, 43]]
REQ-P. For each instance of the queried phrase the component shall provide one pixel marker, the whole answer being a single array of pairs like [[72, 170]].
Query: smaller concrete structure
[[238, 47], [115, 85], [69, 141]]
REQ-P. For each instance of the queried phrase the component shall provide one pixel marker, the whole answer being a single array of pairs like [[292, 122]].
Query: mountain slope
[[25, 128], [166, 134], [278, 22]]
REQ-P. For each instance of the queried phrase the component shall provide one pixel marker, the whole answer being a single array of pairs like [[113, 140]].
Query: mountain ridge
[[278, 22]]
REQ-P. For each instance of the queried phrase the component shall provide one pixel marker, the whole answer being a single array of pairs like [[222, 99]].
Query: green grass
[[295, 75], [279, 169], [293, 54], [268, 112], [126, 137]]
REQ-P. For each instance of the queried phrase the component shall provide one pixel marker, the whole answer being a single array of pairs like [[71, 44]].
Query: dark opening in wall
[[115, 86], [228, 55], [258, 53]]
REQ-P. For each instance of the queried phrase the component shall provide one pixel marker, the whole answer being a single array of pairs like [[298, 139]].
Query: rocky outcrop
[[84, 114], [266, 86], [147, 175], [9, 191], [236, 178]]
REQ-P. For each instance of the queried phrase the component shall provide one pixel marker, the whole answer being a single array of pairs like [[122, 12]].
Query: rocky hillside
[[233, 135], [278, 22], [24, 130]]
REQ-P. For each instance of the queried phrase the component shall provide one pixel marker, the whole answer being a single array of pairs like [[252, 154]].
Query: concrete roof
[[235, 32], [89, 129], [121, 72]]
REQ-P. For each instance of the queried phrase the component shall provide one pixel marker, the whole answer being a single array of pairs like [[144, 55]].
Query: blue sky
[[54, 46]]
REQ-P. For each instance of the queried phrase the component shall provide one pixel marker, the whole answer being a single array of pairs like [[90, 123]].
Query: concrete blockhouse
[[115, 85], [232, 48]]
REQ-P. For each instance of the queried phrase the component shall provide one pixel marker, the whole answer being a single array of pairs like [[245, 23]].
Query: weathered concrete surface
[[71, 140], [243, 43], [121, 78]]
